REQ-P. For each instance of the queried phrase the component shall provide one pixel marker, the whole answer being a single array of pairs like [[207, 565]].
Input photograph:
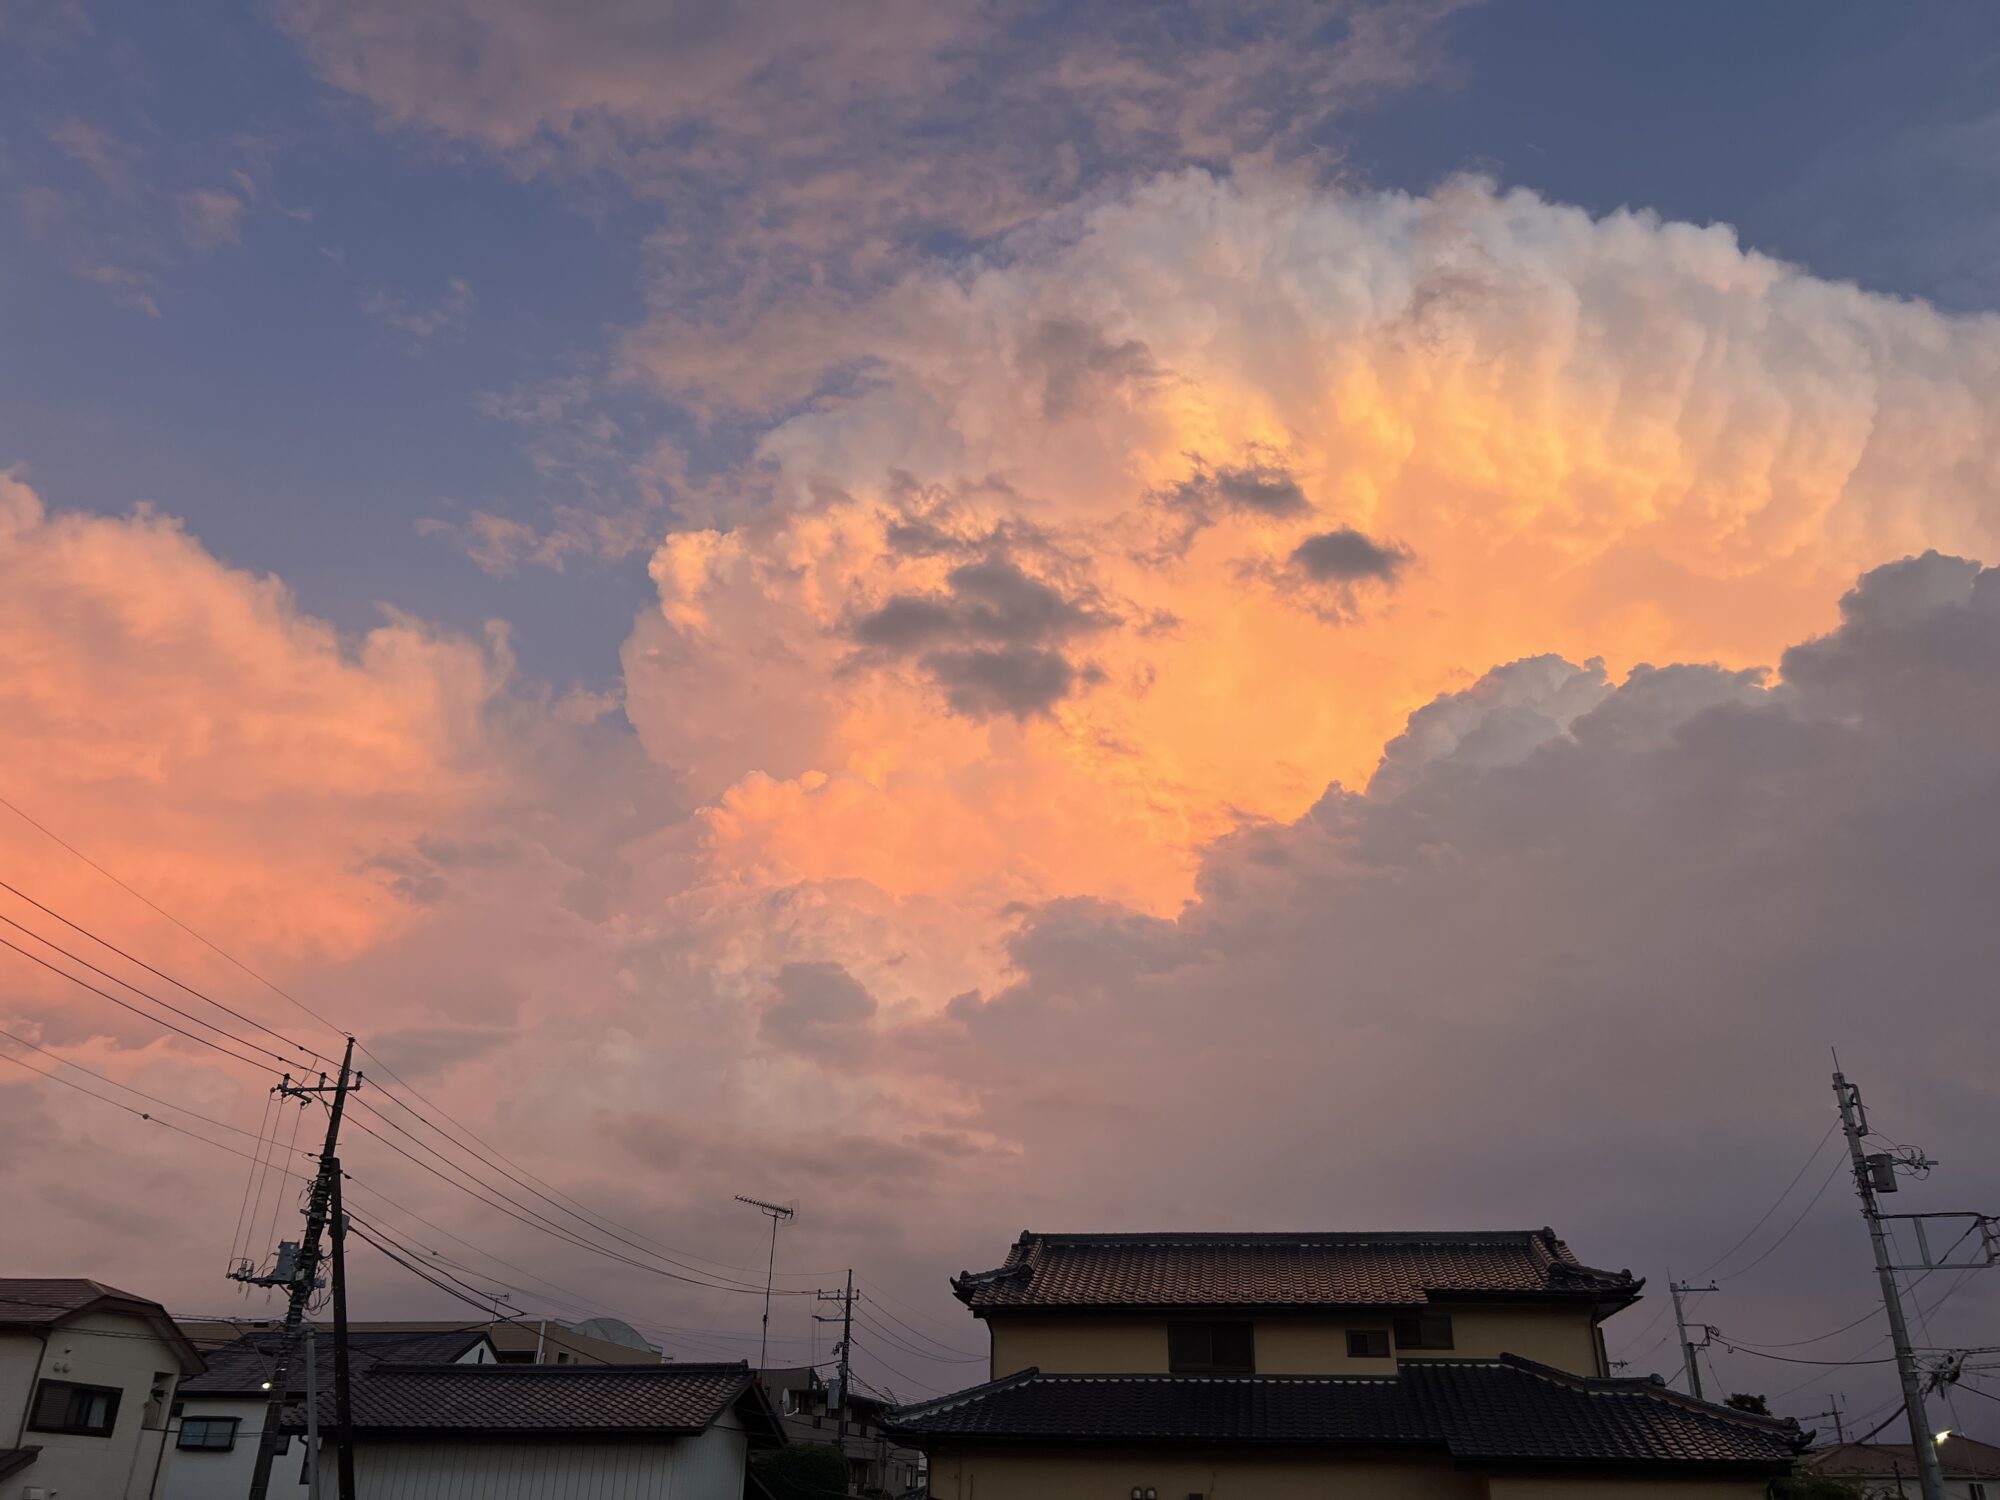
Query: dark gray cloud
[[1576, 957], [816, 1005], [1079, 367], [1262, 486], [1347, 556], [992, 639]]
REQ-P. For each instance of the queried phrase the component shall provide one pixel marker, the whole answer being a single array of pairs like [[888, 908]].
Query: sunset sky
[[984, 615]]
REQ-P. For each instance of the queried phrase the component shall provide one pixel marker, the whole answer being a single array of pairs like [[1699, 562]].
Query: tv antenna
[[777, 1213]]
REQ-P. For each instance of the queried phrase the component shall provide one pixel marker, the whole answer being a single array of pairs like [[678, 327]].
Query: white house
[[87, 1379], [218, 1417], [1886, 1471], [528, 1432]]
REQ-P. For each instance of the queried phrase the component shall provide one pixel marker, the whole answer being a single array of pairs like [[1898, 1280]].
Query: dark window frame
[[44, 1388], [1431, 1330], [1368, 1343], [1211, 1359], [207, 1423]]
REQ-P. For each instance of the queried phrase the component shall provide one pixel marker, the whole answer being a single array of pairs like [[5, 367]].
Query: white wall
[[709, 1467], [102, 1349], [194, 1475]]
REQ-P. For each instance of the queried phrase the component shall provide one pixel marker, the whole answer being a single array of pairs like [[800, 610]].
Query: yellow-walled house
[[1444, 1366]]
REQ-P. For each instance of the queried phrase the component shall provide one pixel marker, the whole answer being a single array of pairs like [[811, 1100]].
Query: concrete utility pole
[[300, 1275], [343, 1388], [846, 1301], [1677, 1288], [1870, 1173], [312, 1416]]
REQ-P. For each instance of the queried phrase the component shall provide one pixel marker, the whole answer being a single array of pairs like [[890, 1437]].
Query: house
[[1886, 1470], [517, 1432], [808, 1407], [87, 1379], [600, 1341], [1462, 1366], [218, 1415]]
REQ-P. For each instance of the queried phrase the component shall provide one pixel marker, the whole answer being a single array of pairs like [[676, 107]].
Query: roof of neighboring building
[[676, 1400], [14, 1460], [1961, 1458], [516, 1337], [1508, 1410], [241, 1367], [31, 1303], [1075, 1271]]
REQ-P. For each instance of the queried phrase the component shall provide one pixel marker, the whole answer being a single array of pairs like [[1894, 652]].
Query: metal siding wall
[[553, 1471]]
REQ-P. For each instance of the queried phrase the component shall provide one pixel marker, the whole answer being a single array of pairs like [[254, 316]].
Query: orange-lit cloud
[[1294, 462]]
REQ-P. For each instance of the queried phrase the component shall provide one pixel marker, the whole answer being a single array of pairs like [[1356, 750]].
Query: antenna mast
[[777, 1213]]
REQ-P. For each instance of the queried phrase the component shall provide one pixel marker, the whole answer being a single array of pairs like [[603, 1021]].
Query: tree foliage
[[802, 1471], [1744, 1401]]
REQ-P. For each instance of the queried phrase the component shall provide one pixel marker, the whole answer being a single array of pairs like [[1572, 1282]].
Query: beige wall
[[1561, 1336], [1079, 1346], [989, 1475], [1566, 1488], [101, 1349]]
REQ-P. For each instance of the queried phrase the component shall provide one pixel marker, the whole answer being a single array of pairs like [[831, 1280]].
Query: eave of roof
[[1508, 1412]]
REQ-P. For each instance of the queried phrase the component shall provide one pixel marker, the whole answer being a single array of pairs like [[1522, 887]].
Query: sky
[[987, 615]]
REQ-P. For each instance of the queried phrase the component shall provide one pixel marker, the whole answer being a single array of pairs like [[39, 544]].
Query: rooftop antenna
[[777, 1213]]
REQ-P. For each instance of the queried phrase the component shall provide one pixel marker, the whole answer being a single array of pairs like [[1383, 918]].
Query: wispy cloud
[[450, 314]]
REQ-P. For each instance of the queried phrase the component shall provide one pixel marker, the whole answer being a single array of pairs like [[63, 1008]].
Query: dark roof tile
[[1487, 1411], [664, 1400], [242, 1366], [1282, 1270]]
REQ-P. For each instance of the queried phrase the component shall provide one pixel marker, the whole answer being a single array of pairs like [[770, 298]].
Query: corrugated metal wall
[[706, 1468]]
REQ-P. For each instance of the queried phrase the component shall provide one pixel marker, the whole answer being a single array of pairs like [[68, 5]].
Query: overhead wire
[[156, 1020], [105, 942], [1765, 1217]]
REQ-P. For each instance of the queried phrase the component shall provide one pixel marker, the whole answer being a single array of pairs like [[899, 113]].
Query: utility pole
[[1870, 1174], [1833, 1410], [343, 1390], [1677, 1288], [298, 1273], [777, 1213], [846, 1321], [312, 1416]]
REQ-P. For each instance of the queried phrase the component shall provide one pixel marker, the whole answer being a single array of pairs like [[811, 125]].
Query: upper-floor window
[[1367, 1343], [80, 1410], [1211, 1349], [1424, 1331], [208, 1434]]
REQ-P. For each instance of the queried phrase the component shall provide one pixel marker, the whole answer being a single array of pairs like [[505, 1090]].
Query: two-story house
[[87, 1379], [1460, 1366], [810, 1409]]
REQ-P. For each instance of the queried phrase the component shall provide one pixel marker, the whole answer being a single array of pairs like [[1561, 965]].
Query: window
[[82, 1410], [208, 1434], [1210, 1349], [1424, 1331], [1367, 1343]]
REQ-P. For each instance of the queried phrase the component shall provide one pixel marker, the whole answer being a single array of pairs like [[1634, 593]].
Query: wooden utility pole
[[343, 1391]]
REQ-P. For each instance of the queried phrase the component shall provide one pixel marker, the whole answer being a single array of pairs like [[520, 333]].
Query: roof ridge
[[1281, 1236], [719, 1367]]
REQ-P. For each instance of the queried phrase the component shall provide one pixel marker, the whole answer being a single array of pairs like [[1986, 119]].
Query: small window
[[1211, 1349], [1367, 1343], [208, 1434], [1424, 1331], [81, 1410]]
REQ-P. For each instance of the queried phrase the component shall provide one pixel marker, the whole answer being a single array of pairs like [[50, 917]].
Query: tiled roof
[[1492, 1411], [657, 1400], [38, 1301], [242, 1367], [51, 1301], [1282, 1270]]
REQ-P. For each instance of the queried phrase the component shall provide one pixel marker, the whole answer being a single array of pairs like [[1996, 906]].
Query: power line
[[157, 973], [127, 1005], [1764, 1218], [1771, 1249], [148, 901]]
